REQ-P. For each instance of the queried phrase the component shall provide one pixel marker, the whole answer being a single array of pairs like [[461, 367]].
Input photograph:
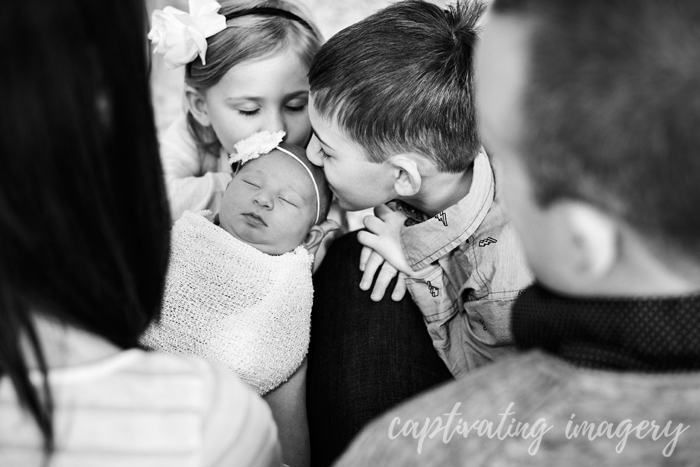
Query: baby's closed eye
[[288, 201]]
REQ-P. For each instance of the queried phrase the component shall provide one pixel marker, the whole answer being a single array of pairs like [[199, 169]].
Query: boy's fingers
[[367, 239], [381, 210], [373, 224], [373, 263], [364, 256], [400, 288], [386, 274]]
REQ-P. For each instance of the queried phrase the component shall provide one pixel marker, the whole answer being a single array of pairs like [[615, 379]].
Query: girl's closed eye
[[248, 113], [296, 107]]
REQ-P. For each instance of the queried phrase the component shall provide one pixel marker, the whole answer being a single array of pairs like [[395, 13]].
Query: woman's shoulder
[[149, 404], [184, 375]]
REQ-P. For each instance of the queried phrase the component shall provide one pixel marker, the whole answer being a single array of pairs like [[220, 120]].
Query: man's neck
[[441, 190]]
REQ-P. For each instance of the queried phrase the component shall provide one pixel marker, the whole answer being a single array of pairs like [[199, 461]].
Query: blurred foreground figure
[[84, 241]]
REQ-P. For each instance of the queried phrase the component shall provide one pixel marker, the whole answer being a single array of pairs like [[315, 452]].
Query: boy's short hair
[[611, 111], [401, 80]]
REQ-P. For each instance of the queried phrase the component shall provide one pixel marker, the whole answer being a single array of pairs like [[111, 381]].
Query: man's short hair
[[402, 80], [611, 111]]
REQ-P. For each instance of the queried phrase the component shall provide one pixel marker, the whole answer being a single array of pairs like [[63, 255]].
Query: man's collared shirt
[[466, 301]]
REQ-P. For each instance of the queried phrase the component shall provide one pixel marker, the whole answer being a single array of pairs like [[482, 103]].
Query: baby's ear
[[316, 234]]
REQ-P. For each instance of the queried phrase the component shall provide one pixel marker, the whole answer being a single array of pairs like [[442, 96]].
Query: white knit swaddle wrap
[[234, 305]]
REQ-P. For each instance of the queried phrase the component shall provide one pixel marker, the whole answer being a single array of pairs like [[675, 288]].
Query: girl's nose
[[275, 122]]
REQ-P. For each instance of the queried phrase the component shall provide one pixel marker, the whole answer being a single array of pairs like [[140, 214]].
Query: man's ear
[[314, 237], [594, 240], [197, 105], [407, 178]]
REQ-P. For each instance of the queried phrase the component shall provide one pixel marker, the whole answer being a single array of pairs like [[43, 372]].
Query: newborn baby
[[240, 293]]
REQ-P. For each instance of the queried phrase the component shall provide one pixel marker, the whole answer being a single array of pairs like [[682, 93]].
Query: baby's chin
[[265, 246]]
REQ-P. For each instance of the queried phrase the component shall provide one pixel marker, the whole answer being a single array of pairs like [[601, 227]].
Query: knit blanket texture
[[234, 305]]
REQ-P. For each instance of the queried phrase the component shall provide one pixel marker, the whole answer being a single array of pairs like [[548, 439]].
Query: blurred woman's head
[[83, 213]]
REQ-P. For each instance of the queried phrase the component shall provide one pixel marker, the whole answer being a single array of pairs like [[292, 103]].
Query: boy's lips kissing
[[254, 219]]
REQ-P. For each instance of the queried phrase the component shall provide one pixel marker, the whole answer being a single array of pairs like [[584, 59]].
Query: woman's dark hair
[[84, 223]]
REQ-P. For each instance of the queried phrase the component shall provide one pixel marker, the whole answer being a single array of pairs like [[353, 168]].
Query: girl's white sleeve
[[189, 186]]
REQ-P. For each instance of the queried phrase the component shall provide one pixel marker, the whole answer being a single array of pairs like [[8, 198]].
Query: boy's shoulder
[[477, 225]]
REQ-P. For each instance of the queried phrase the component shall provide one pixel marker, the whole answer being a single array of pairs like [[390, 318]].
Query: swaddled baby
[[239, 290]]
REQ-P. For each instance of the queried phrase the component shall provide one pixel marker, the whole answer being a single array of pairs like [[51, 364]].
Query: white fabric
[[234, 305], [143, 409], [194, 183], [181, 36]]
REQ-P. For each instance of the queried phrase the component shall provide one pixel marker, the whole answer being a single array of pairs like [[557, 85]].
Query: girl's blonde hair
[[247, 37]]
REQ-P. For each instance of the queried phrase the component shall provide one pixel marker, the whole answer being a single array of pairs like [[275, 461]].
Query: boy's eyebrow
[[319, 138]]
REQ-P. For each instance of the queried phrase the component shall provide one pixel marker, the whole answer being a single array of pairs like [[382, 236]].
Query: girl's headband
[[269, 11], [264, 142], [181, 36]]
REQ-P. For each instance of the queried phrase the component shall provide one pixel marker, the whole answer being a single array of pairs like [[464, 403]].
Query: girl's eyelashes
[[296, 108], [248, 113]]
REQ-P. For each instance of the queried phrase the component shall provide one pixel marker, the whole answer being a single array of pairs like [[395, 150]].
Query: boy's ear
[[407, 178], [314, 237], [594, 240], [197, 105]]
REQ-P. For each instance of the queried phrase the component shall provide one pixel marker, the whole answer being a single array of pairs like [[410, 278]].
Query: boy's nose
[[313, 152]]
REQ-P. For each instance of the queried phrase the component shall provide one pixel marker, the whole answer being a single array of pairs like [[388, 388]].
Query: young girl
[[245, 71]]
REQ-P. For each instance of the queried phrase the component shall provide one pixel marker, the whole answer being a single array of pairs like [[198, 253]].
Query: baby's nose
[[264, 199]]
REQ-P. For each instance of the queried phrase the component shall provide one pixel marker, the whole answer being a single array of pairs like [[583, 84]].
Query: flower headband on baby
[[181, 36], [264, 142]]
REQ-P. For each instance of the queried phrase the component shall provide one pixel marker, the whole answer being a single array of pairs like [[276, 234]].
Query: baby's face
[[270, 204]]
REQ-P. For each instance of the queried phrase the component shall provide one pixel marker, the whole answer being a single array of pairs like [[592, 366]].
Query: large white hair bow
[[181, 36]]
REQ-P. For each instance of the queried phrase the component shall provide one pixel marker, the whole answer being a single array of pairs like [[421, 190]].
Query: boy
[[392, 113], [591, 110]]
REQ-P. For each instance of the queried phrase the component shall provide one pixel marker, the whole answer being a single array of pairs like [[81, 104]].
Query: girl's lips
[[254, 219]]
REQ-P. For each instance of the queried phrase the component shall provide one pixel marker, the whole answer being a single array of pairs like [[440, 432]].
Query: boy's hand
[[382, 247], [370, 260], [383, 236]]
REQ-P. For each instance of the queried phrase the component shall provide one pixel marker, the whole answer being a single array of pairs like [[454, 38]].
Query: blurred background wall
[[330, 16]]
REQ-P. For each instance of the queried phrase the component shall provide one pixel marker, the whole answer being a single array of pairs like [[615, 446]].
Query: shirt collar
[[648, 334], [427, 239]]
